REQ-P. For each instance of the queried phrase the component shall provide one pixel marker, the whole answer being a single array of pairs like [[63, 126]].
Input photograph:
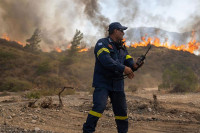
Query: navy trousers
[[118, 100]]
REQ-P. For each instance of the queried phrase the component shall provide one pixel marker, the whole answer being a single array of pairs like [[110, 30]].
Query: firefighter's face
[[119, 34]]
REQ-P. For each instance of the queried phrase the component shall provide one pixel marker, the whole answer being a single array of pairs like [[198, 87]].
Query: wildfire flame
[[124, 42], [6, 37], [83, 50], [69, 46], [190, 46], [58, 49]]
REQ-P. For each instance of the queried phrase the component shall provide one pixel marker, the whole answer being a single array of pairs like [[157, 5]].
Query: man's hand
[[128, 72], [135, 66]]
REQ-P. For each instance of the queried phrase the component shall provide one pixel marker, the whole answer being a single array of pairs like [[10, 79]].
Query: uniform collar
[[110, 39], [117, 45]]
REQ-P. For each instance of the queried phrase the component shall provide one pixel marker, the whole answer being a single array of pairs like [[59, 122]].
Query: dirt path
[[170, 113]]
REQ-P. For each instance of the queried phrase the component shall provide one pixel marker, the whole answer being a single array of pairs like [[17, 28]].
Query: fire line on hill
[[191, 46]]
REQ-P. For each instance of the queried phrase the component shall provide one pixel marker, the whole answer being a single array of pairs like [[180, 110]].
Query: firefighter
[[112, 60]]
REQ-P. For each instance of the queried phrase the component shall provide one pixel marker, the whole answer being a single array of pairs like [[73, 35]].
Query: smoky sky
[[92, 10], [19, 17], [58, 20], [127, 10]]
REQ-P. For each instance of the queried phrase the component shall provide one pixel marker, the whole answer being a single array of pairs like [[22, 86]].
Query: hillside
[[42, 70], [22, 70], [54, 70], [160, 58]]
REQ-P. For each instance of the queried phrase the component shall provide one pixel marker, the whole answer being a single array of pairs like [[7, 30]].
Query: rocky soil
[[149, 111]]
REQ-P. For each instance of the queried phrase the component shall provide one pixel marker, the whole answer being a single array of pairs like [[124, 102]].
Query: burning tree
[[76, 42], [33, 42]]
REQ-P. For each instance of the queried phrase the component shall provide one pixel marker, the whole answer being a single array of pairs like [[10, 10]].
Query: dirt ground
[[149, 111]]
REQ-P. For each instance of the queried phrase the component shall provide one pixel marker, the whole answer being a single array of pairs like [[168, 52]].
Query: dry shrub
[[33, 95]]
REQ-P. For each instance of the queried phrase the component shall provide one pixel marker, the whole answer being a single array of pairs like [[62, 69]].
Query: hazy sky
[[59, 19], [171, 15]]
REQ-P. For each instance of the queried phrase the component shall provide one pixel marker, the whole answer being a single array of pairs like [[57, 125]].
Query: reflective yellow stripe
[[121, 117], [128, 57], [101, 50], [95, 113]]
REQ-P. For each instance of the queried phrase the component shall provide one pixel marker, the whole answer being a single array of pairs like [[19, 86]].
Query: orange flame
[[124, 42], [69, 46], [191, 46], [6, 37], [20, 43], [58, 49], [83, 50]]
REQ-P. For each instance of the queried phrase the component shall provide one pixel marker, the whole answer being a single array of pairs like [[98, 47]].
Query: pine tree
[[76, 42], [33, 42]]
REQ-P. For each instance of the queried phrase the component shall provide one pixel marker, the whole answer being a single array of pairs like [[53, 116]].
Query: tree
[[33, 42], [76, 42]]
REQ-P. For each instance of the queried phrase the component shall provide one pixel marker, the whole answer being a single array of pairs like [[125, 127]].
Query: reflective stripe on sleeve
[[101, 50], [95, 113], [128, 57], [121, 117]]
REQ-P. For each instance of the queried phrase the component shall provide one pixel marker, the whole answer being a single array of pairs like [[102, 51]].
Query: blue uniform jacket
[[110, 64]]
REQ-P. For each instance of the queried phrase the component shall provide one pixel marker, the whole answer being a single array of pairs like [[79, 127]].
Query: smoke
[[92, 10], [60, 25], [127, 11], [19, 18], [132, 13], [192, 24], [58, 20], [193, 21]]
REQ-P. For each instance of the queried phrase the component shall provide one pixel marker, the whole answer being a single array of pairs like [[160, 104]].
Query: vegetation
[[179, 78], [33, 95], [15, 84], [22, 69], [33, 42], [76, 42]]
